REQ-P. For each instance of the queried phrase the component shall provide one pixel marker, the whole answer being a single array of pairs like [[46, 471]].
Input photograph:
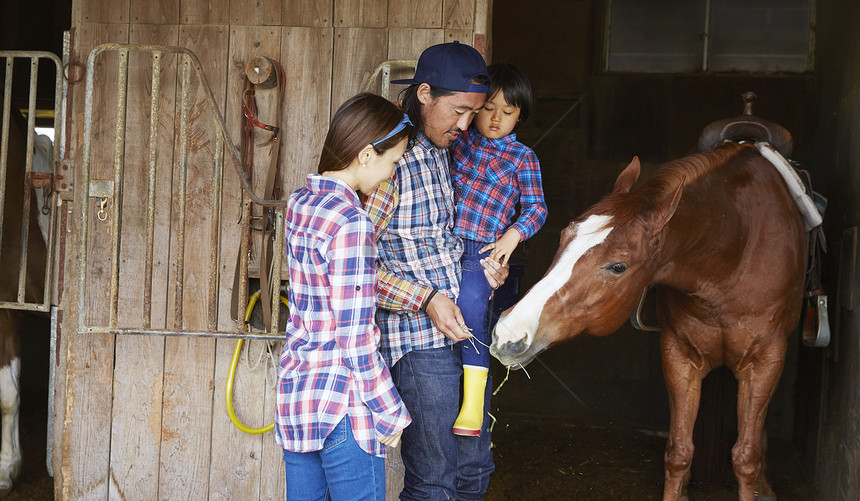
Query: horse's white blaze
[[523, 319], [10, 456]]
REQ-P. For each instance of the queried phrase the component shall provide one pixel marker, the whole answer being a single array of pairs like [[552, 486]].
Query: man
[[420, 279]]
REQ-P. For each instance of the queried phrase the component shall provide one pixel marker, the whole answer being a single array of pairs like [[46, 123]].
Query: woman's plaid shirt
[[330, 366], [491, 176], [418, 251]]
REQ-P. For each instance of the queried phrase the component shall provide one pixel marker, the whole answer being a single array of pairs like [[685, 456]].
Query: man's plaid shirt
[[418, 251], [491, 176]]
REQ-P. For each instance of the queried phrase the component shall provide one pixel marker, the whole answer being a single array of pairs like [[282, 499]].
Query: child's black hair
[[515, 87]]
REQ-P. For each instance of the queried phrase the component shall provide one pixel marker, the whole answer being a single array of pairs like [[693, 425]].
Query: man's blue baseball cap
[[450, 66]]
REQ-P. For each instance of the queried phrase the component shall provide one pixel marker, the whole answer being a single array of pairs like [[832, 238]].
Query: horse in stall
[[12, 321], [719, 236]]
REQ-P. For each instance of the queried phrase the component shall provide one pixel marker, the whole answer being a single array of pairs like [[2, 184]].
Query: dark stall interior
[[588, 124], [589, 419]]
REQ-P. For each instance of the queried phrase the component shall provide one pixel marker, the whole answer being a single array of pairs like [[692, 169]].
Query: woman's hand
[[495, 272]]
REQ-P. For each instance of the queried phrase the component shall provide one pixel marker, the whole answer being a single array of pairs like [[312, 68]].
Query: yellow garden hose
[[229, 392]]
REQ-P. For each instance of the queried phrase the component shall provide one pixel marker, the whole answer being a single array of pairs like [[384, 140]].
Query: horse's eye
[[617, 268]]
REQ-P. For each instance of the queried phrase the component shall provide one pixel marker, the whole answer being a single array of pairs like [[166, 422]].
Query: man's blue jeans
[[341, 471], [439, 465]]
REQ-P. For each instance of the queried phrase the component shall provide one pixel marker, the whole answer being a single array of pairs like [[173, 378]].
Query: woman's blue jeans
[[341, 471], [439, 465], [474, 301]]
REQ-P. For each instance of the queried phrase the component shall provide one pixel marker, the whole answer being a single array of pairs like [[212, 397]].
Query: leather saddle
[[815, 324]]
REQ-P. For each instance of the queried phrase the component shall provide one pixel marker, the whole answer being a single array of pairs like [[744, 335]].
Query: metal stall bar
[[28, 170], [4, 139], [244, 255], [32, 180], [214, 233], [277, 253], [154, 109], [104, 189], [119, 171], [85, 188], [59, 152], [183, 180]]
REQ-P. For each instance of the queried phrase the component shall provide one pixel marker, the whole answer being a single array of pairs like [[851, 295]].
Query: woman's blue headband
[[399, 127]]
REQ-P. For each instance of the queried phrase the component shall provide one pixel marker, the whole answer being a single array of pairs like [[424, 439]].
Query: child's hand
[[391, 440], [503, 247]]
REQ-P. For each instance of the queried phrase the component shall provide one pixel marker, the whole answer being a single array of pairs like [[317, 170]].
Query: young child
[[492, 174], [337, 406]]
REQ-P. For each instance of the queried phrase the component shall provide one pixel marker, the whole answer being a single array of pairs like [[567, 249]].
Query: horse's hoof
[[7, 479], [769, 498]]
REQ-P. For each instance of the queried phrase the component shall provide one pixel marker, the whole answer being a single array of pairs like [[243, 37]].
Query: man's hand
[[495, 272], [391, 440], [446, 316]]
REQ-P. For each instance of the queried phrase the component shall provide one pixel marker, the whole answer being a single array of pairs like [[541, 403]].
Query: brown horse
[[720, 237], [12, 197]]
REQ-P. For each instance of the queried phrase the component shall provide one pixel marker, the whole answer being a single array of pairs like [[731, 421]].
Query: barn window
[[692, 36]]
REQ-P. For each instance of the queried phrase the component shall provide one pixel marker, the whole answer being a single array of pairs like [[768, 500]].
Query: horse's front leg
[[10, 453], [684, 386], [757, 382], [763, 490]]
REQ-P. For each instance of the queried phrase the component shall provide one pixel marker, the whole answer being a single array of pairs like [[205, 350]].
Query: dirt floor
[[553, 459]]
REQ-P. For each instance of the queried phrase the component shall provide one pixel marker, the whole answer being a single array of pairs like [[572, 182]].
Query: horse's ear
[[628, 177], [666, 208]]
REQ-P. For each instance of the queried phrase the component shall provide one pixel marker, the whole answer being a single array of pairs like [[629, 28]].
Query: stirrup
[[821, 335]]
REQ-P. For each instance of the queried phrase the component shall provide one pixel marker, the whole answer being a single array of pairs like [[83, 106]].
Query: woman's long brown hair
[[361, 120]]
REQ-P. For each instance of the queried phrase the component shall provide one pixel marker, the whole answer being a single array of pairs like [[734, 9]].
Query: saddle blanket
[[808, 210]]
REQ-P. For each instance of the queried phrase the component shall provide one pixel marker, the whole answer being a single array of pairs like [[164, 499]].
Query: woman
[[337, 407]]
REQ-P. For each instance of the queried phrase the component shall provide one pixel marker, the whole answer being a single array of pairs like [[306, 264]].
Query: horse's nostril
[[517, 347], [510, 348]]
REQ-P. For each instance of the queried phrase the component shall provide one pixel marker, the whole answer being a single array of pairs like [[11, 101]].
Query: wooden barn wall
[[830, 411], [144, 416]]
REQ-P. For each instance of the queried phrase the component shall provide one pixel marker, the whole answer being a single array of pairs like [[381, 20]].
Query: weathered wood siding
[[143, 417]]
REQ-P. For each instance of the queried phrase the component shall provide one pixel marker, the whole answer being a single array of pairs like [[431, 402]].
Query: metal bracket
[[65, 178], [101, 188], [45, 181], [384, 68]]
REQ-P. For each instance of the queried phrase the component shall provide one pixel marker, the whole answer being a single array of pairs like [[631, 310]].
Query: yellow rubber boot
[[471, 416]]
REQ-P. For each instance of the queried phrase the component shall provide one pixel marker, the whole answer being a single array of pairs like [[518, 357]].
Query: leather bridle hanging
[[263, 73]]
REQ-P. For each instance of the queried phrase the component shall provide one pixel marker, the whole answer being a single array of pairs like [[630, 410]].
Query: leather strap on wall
[[263, 75]]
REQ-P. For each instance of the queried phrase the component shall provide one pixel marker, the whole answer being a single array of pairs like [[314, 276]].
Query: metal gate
[[31, 60], [104, 214]]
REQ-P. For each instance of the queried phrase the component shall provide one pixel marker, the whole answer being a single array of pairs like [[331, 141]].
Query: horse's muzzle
[[510, 350]]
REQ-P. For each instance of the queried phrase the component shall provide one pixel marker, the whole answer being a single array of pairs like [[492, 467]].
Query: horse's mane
[[681, 172]]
